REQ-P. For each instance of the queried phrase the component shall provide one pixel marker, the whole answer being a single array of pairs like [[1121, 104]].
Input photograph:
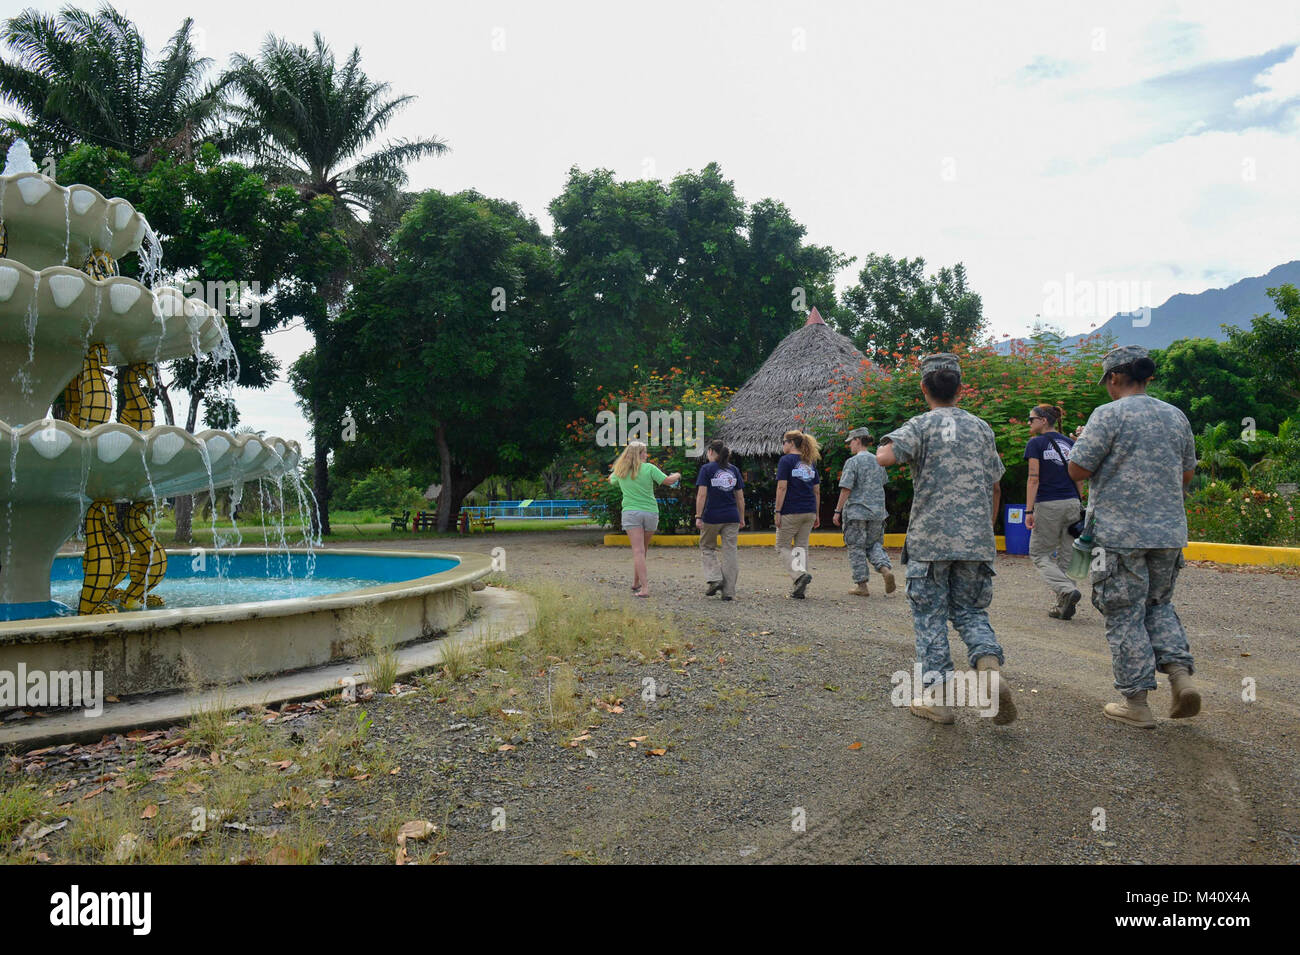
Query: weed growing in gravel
[[19, 805]]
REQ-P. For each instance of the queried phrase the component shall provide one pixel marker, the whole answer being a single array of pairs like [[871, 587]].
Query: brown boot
[[940, 714], [1187, 700], [861, 590], [1133, 711], [890, 586], [1006, 702]]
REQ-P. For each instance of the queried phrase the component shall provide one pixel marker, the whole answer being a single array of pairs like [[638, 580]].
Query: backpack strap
[[1064, 463]]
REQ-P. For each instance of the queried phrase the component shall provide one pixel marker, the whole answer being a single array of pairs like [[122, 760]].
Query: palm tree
[[308, 122], [87, 78], [1215, 449]]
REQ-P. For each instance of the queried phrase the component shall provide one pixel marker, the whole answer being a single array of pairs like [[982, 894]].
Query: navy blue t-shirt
[[1054, 482], [801, 479], [720, 501]]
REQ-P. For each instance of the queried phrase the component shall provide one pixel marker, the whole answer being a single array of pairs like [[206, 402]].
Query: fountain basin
[[178, 647]]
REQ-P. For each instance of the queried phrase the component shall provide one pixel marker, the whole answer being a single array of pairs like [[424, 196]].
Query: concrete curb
[[503, 615], [1197, 550]]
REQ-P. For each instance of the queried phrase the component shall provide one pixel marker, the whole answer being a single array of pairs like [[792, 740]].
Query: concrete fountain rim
[[469, 568]]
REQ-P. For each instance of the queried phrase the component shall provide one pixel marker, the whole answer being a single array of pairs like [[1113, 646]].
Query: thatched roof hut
[[796, 381]]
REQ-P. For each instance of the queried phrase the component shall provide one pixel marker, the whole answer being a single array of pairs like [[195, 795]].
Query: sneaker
[[714, 587], [801, 585], [1068, 603]]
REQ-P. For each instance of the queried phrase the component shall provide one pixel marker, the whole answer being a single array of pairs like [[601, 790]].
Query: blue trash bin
[[1017, 534]]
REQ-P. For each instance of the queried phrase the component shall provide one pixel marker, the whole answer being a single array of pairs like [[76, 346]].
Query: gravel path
[[758, 732]]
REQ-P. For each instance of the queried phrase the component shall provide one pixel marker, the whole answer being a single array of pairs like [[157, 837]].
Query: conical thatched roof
[[796, 380]]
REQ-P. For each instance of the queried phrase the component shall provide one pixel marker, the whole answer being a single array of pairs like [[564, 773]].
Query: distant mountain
[[1200, 315]]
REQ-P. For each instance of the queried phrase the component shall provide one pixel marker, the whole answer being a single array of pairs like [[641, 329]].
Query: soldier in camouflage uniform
[[1139, 455], [861, 512], [950, 547]]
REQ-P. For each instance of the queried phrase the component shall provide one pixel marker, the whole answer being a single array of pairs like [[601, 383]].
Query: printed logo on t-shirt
[[804, 472], [723, 480], [1051, 454]]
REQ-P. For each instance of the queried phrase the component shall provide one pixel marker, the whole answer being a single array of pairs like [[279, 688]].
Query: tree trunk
[[445, 497], [320, 475]]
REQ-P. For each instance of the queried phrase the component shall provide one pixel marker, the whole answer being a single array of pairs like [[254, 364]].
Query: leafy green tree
[[88, 78], [895, 305], [682, 275], [1271, 347], [312, 123], [1213, 382], [454, 352]]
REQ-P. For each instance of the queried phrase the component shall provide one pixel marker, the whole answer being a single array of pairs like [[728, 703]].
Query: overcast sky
[[1149, 144]]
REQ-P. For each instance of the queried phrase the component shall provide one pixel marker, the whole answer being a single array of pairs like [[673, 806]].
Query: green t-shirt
[[639, 492]]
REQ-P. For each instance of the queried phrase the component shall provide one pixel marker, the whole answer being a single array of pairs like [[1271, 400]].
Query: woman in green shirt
[[636, 477]]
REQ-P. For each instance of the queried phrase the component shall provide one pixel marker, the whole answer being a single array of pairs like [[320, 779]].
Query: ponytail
[[807, 446], [721, 451]]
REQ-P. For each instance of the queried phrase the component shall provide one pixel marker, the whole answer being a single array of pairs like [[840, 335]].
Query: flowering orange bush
[[1000, 388]]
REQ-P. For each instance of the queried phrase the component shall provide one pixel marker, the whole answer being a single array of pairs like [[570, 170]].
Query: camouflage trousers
[[1134, 592], [865, 543], [956, 590]]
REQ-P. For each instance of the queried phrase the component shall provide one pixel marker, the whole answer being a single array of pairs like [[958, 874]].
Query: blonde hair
[[628, 464], [809, 450]]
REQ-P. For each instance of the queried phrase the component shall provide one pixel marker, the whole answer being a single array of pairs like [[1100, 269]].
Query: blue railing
[[535, 510]]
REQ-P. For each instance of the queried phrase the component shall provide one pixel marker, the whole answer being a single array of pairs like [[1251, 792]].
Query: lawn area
[[346, 530]]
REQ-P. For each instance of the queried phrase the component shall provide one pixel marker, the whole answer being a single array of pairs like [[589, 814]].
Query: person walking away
[[950, 546], [636, 477], [719, 516], [798, 501], [861, 512], [1139, 455], [1052, 503]]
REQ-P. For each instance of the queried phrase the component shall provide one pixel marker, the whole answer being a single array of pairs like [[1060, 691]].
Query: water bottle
[[1081, 555]]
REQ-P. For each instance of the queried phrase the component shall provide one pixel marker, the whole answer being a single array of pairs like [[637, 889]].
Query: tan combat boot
[[933, 711], [890, 586], [861, 590], [1187, 700], [1133, 711], [1006, 703]]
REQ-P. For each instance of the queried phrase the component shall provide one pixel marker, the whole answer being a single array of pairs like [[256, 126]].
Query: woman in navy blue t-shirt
[[719, 515], [798, 503], [1051, 506]]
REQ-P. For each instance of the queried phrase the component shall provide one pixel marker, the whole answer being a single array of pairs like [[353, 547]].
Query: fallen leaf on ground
[[416, 829], [855, 745], [150, 811], [282, 855], [656, 752], [126, 847], [94, 792], [504, 748], [637, 739]]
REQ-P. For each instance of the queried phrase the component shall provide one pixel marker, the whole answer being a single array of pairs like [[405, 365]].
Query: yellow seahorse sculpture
[[94, 401], [137, 410], [148, 559], [72, 401], [99, 564], [99, 265]]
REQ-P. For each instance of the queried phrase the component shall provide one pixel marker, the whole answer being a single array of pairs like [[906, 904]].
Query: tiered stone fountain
[[66, 316]]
